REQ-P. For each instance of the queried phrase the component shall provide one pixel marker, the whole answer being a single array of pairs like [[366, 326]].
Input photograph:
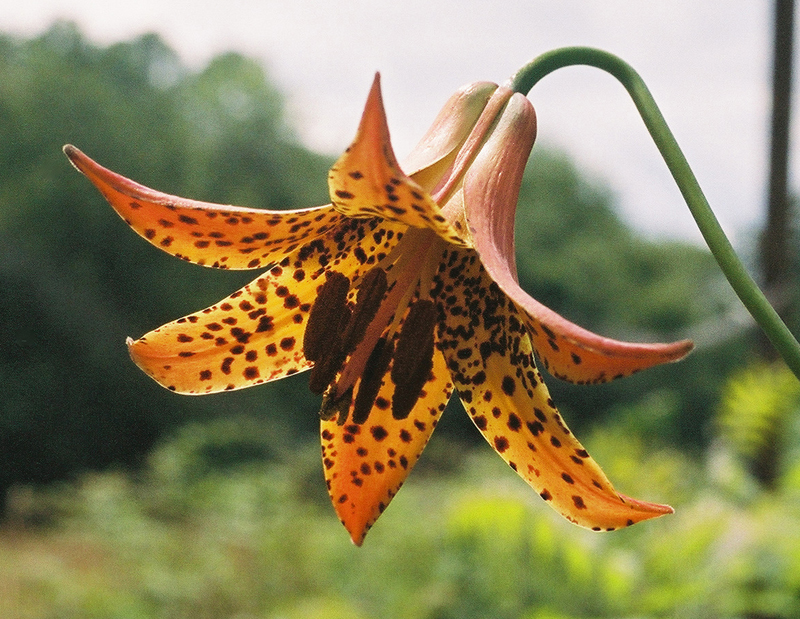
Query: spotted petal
[[490, 194], [367, 180], [492, 364], [256, 334], [365, 464], [227, 237]]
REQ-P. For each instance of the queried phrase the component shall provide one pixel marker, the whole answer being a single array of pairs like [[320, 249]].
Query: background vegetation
[[124, 500]]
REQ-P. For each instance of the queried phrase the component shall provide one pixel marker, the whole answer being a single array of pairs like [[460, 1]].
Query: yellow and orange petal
[[365, 464], [367, 181], [490, 195], [489, 353], [256, 334], [213, 235]]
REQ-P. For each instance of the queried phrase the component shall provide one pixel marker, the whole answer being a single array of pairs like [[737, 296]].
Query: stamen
[[406, 275], [413, 357], [371, 380], [322, 340], [328, 315], [368, 301], [352, 350], [324, 371]]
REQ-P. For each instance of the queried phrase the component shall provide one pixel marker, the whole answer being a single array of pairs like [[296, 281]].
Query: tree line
[[74, 281]]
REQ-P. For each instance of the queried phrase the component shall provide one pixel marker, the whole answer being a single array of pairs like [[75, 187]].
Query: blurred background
[[122, 500]]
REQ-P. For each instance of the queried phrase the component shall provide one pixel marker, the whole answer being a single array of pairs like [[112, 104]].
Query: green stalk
[[738, 277]]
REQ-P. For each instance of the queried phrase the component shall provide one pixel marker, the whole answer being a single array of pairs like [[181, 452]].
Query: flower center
[[387, 329]]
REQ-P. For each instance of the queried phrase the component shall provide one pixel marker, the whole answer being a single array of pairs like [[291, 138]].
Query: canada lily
[[400, 292]]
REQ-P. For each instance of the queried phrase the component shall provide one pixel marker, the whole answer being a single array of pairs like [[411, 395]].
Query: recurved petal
[[449, 131], [214, 235], [367, 181], [256, 334], [491, 190], [365, 464], [492, 365]]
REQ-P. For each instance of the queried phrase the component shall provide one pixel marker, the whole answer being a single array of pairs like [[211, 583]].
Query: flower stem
[[738, 277]]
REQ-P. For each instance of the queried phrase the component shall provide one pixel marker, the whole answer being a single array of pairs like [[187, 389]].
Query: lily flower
[[399, 293]]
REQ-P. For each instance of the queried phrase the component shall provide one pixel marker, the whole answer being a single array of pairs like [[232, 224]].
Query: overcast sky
[[706, 62]]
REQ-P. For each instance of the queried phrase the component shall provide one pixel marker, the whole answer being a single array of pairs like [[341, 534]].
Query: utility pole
[[776, 242], [776, 257]]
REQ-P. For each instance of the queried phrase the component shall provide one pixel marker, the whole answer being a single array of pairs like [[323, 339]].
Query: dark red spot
[[378, 432], [287, 343], [500, 443], [535, 427]]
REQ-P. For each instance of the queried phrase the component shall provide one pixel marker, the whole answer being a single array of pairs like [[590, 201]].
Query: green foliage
[[258, 538], [759, 409], [75, 281]]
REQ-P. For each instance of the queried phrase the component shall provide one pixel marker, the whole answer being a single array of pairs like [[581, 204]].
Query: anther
[[322, 340], [370, 295], [328, 315], [371, 380], [413, 357]]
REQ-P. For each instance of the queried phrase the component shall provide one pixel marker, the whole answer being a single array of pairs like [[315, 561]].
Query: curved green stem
[[738, 277]]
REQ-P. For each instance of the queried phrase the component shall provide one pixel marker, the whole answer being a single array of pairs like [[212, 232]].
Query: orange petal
[[491, 189], [366, 464], [214, 235], [492, 364], [367, 181], [256, 334]]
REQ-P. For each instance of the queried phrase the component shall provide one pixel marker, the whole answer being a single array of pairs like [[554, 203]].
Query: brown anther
[[413, 357], [322, 340], [328, 315], [370, 295], [415, 342], [371, 380], [324, 371]]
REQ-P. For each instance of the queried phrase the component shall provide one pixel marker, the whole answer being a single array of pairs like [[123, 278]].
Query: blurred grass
[[203, 536]]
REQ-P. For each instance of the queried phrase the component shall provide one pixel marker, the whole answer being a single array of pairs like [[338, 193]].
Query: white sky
[[706, 62]]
